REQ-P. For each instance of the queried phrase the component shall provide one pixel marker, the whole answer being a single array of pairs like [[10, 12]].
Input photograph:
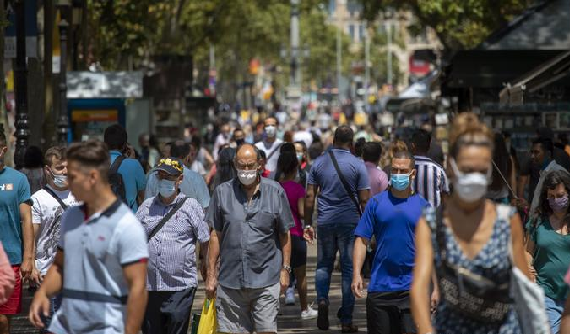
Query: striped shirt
[[430, 180], [172, 251]]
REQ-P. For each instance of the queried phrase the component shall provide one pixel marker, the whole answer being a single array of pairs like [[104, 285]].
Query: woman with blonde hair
[[475, 244]]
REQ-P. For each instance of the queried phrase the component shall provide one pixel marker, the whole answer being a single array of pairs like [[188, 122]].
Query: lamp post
[[21, 83], [62, 121]]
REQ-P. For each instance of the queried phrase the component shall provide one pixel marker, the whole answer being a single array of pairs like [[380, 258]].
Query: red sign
[[419, 67]]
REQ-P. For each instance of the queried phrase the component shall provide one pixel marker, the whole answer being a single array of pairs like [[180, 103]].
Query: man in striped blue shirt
[[431, 181], [172, 269]]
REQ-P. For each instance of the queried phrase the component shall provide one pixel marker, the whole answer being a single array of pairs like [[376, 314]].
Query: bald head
[[247, 157]]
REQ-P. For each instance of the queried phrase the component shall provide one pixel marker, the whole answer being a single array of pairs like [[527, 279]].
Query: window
[[362, 32], [351, 32], [332, 7]]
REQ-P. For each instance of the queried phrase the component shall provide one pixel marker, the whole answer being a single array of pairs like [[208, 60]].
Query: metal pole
[[21, 83], [63, 123], [339, 50], [390, 74], [295, 68], [367, 67]]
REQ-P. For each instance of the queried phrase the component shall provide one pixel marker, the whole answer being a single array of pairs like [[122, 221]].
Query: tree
[[459, 24]]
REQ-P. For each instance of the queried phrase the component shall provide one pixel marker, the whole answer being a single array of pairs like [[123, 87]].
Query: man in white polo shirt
[[101, 262]]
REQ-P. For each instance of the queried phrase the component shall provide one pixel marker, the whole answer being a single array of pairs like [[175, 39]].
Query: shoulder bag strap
[[116, 164], [166, 218], [273, 152], [344, 183], [59, 200], [504, 179]]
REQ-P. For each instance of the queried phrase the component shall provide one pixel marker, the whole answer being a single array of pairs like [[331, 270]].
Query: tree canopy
[[459, 24]]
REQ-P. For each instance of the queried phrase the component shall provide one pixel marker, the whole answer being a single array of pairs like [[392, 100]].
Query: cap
[[172, 166]]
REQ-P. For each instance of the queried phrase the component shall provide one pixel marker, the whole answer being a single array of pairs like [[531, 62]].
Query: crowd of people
[[115, 240]]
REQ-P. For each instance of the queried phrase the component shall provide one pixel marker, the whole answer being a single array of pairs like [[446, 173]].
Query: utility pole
[[294, 75], [21, 83], [367, 66], [390, 73], [339, 49], [62, 122]]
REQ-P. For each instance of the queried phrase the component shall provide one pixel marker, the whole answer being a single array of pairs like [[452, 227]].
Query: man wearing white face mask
[[48, 207], [174, 225], [251, 218], [270, 144]]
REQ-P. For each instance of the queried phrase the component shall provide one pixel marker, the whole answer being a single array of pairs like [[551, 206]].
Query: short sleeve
[[363, 181], [214, 215], [444, 182], [285, 220], [65, 226], [365, 227], [132, 243], [531, 226], [23, 191], [199, 226], [36, 209]]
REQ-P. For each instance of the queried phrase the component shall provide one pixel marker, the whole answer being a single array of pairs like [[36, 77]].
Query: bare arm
[[28, 236], [309, 233], [420, 302], [285, 241], [204, 259], [135, 275], [359, 256], [529, 257], [301, 207], [522, 182], [213, 255], [310, 203], [519, 258], [363, 196]]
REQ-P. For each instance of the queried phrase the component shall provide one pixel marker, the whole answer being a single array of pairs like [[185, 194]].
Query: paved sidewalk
[[289, 320]]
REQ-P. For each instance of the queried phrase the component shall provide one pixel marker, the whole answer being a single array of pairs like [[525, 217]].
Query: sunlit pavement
[[289, 318]]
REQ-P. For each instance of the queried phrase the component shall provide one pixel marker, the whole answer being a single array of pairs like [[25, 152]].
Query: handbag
[[470, 294], [529, 302], [345, 183]]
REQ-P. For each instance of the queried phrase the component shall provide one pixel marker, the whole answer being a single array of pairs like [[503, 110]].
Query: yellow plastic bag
[[208, 318]]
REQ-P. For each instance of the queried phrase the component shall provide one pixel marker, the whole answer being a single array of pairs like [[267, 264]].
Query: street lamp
[[21, 83], [62, 121]]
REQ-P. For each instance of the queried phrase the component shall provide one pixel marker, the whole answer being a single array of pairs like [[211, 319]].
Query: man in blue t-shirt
[[131, 170], [391, 217], [16, 233], [338, 212]]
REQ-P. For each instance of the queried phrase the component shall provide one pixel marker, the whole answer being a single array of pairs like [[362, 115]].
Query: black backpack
[[116, 179]]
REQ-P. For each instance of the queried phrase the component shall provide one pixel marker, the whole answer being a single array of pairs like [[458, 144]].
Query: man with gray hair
[[250, 219]]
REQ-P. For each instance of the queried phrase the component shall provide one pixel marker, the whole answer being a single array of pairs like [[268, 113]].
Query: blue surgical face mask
[[400, 181], [167, 188]]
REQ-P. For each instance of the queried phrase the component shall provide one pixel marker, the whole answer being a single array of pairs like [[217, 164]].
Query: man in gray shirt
[[251, 218]]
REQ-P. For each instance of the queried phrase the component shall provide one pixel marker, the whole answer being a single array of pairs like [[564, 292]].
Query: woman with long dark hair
[[503, 169], [548, 244], [288, 166]]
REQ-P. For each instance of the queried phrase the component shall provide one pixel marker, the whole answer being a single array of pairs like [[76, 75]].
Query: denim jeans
[[330, 239], [554, 309]]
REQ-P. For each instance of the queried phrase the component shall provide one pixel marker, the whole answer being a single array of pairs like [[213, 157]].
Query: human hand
[[40, 307], [284, 280], [26, 269], [434, 301], [211, 286], [357, 286], [309, 234]]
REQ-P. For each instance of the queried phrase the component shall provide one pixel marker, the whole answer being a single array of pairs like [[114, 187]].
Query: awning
[[553, 70]]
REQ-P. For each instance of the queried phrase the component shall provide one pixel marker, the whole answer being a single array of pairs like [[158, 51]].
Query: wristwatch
[[288, 268]]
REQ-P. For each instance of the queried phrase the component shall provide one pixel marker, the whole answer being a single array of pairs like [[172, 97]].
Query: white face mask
[[247, 177], [166, 188], [270, 130], [60, 181], [470, 187]]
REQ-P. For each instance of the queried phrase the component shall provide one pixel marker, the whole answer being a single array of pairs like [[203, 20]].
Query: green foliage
[[460, 24]]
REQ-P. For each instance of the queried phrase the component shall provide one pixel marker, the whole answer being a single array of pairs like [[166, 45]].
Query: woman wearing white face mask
[[469, 240]]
